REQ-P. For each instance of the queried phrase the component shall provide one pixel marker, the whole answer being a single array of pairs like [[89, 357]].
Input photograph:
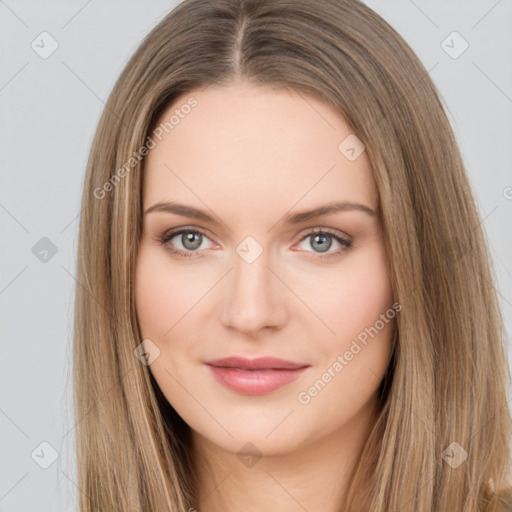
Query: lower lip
[[254, 382]]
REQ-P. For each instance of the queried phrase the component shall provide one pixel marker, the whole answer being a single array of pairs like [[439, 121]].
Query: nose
[[253, 297]]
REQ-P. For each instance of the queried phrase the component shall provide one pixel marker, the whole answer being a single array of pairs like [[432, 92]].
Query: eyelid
[[320, 229], [171, 233]]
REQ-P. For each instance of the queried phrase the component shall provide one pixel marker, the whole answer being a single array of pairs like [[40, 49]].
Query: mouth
[[255, 376]]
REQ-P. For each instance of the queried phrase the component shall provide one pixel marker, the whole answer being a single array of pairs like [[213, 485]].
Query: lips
[[260, 363], [255, 376]]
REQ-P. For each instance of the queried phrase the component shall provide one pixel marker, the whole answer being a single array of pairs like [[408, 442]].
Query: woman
[[286, 299]]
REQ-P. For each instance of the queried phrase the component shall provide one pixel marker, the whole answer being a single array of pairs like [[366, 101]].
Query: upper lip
[[260, 363]]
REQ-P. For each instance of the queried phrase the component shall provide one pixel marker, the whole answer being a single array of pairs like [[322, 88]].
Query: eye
[[321, 240], [191, 241]]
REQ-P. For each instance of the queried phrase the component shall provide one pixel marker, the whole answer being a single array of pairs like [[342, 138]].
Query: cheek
[[350, 298], [158, 304], [367, 295], [351, 363], [170, 295], [149, 301]]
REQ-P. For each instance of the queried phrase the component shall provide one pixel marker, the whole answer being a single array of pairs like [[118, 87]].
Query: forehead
[[242, 142]]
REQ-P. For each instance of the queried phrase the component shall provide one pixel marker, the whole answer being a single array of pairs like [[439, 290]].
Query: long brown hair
[[444, 395]]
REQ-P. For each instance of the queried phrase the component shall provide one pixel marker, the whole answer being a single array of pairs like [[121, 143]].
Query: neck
[[313, 477]]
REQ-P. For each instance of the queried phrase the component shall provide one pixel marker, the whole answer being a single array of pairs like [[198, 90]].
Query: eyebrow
[[290, 218]]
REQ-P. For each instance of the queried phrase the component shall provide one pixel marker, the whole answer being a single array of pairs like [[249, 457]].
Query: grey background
[[50, 108]]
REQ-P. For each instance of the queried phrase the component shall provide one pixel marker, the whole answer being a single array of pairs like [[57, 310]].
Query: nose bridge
[[254, 298]]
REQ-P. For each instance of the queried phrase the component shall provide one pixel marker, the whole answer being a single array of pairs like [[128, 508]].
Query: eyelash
[[166, 237]]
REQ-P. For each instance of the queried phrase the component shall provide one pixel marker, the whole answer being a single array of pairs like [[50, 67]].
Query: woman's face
[[249, 277]]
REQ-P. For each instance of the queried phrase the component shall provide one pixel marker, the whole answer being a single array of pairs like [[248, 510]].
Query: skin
[[249, 155]]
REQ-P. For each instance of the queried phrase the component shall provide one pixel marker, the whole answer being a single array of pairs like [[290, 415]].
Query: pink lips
[[255, 376]]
